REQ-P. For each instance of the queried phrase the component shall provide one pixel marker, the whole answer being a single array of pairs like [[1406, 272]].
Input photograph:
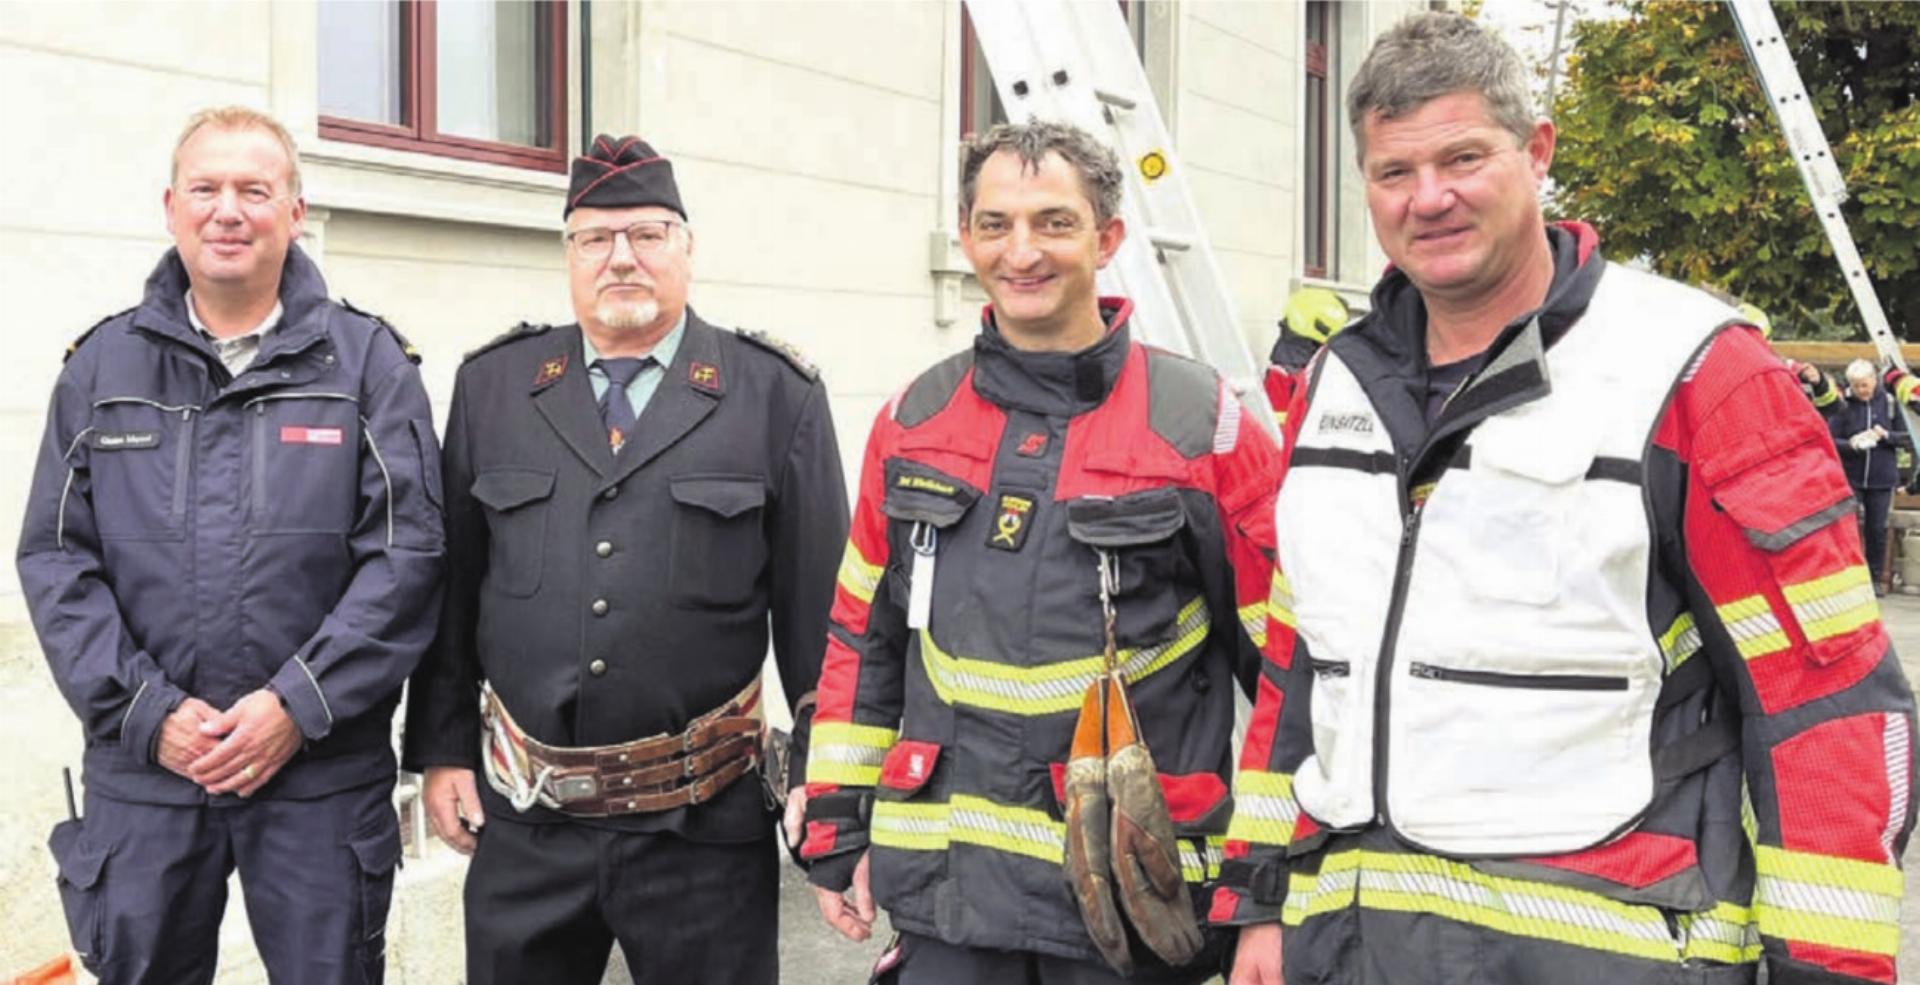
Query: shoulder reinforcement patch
[[1183, 401], [524, 330], [406, 348], [74, 346], [929, 393]]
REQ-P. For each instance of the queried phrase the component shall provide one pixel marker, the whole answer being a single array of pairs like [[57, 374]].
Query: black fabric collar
[[303, 297], [1052, 383]]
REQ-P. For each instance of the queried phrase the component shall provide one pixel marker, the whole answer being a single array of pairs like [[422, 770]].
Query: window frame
[[1316, 65], [419, 33]]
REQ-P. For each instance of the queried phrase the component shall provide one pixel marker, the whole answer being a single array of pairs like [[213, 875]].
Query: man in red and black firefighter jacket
[[1579, 675], [631, 501], [968, 622]]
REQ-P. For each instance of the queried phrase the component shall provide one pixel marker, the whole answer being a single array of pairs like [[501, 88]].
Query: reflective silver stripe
[[385, 477], [169, 408], [847, 753], [1526, 906], [60, 521], [1226, 432], [128, 715], [301, 395], [1897, 740], [1830, 901], [316, 689]]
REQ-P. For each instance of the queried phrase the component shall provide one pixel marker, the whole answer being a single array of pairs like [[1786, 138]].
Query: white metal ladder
[[1075, 62], [1780, 81]]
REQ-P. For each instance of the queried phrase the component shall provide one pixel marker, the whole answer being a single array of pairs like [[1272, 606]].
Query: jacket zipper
[[1539, 682], [182, 464], [1396, 608]]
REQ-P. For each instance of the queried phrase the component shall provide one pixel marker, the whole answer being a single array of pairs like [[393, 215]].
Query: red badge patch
[[310, 436], [706, 376], [550, 370], [1033, 445]]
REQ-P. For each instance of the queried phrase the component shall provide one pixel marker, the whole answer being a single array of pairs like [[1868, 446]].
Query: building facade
[[815, 144]]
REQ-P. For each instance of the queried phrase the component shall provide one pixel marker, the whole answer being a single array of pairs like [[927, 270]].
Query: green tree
[[1667, 146]]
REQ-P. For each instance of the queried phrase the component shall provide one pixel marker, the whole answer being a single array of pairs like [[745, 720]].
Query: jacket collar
[[1052, 383], [303, 296], [1387, 348]]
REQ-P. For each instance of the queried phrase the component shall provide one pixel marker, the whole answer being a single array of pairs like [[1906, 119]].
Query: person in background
[[1867, 428], [1314, 315]]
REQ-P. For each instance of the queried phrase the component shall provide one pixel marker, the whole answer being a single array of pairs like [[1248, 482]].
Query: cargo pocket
[[81, 865], [376, 856], [1523, 484], [719, 548], [139, 454], [908, 834], [1796, 507], [1329, 706], [516, 503], [1139, 530]]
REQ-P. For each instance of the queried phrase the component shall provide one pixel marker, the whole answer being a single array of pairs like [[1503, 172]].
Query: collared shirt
[[238, 352], [641, 389]]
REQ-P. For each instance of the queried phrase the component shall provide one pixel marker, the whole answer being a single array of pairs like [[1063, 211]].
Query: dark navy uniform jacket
[[612, 598], [192, 533]]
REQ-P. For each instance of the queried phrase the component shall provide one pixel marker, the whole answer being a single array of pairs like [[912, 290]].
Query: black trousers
[[144, 886], [928, 961], [545, 902], [1875, 505]]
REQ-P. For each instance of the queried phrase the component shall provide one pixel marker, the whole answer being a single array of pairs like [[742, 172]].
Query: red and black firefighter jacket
[[967, 624], [1658, 734]]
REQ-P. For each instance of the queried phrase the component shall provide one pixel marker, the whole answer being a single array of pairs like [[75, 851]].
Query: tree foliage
[[1667, 146]]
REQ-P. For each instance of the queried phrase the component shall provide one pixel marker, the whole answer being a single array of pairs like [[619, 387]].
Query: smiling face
[[231, 210], [1454, 197], [624, 291], [1036, 247]]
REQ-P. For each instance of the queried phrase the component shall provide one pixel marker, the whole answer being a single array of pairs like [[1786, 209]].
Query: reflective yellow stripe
[[849, 754], [1838, 603], [1054, 687], [1725, 933], [1680, 641], [1830, 395], [857, 576], [1824, 899], [1253, 618], [1280, 599], [1755, 629], [1903, 390], [1264, 810], [1197, 865], [909, 827], [1410, 883]]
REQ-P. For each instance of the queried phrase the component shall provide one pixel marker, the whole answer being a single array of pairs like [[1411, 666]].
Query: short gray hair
[[1860, 369], [1429, 55], [1093, 161]]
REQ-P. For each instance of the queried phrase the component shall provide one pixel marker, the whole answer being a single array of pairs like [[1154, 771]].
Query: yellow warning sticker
[[1153, 166]]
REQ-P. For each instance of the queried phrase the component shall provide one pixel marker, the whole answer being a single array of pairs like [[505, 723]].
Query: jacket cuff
[[834, 872], [1250, 891], [152, 702], [1783, 970], [300, 691]]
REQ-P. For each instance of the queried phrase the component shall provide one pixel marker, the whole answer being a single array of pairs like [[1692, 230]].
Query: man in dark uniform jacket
[[628, 500]]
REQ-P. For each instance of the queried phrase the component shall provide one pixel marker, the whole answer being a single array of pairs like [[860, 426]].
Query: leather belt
[[657, 773]]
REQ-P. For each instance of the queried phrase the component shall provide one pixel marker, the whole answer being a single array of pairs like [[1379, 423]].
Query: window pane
[[495, 73], [1314, 190], [362, 51]]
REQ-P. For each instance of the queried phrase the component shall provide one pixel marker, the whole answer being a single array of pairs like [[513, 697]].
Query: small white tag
[[920, 591]]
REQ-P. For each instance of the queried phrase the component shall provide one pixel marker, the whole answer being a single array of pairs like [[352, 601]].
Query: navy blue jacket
[[190, 533], [1876, 467]]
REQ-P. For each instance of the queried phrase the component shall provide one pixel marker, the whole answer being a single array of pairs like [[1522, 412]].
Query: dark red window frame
[[420, 103], [1317, 245]]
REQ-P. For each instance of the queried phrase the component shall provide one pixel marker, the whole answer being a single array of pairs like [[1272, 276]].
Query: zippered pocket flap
[[918, 493], [1536, 682], [1144, 517], [507, 489], [908, 766]]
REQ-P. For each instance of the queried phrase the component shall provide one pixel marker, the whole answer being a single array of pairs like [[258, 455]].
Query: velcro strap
[[1694, 676], [1687, 756]]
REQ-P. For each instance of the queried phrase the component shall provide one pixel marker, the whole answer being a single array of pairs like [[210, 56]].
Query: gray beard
[[627, 317]]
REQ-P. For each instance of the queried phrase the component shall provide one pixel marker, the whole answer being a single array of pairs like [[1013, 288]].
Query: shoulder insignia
[[524, 330], [930, 392], [74, 346], [781, 348], [406, 348], [1183, 401]]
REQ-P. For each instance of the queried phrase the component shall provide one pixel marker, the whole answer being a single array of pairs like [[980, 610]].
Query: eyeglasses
[[645, 236]]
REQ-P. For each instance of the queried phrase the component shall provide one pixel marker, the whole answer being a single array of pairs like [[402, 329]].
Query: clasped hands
[[235, 751]]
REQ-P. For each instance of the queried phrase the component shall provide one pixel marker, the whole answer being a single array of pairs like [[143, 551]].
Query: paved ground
[[812, 955]]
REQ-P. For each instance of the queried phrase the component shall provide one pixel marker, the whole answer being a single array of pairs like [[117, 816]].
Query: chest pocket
[[303, 463], [140, 460], [516, 504], [1141, 531], [926, 505], [1524, 497], [719, 546]]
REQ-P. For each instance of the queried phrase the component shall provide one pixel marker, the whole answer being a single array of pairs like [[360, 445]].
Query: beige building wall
[[815, 147]]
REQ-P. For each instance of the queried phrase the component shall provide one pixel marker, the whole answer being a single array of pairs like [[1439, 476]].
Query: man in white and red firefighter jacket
[[1580, 678], [968, 618]]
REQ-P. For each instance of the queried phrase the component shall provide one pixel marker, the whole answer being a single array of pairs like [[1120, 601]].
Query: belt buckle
[[571, 788]]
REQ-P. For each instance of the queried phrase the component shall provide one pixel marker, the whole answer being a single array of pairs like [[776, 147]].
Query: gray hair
[[1093, 161], [1429, 55], [1860, 369]]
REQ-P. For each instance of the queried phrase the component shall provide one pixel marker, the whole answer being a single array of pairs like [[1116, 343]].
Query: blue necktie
[[616, 411]]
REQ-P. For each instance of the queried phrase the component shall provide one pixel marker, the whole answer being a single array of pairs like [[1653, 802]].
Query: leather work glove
[[1089, 859], [1146, 855]]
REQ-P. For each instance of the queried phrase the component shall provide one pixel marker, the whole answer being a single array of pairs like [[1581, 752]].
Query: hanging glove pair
[[1120, 841]]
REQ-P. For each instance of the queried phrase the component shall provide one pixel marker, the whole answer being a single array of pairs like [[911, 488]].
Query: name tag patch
[[290, 435], [125, 440]]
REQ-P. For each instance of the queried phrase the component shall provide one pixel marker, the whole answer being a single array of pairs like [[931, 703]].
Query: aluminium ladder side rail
[[1075, 62]]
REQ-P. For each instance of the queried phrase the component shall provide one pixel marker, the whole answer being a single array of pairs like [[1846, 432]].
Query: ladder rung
[[1169, 241], [1115, 99]]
